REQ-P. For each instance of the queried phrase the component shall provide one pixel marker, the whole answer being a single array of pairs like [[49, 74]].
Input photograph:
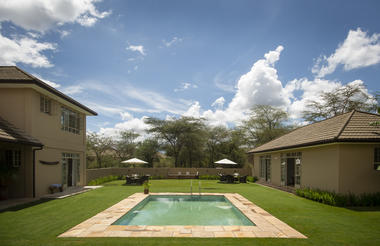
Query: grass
[[40, 223]]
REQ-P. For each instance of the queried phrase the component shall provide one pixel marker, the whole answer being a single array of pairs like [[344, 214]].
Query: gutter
[[34, 170]]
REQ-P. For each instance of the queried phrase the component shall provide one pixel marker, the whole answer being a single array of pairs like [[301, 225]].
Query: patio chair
[[243, 179], [230, 179], [128, 180], [222, 178]]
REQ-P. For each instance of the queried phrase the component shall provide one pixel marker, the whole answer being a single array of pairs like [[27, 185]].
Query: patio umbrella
[[135, 161], [225, 162]]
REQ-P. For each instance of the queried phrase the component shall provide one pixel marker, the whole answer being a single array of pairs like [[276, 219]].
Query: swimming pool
[[184, 210]]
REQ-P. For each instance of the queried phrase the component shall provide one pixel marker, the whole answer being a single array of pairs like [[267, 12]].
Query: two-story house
[[42, 135]]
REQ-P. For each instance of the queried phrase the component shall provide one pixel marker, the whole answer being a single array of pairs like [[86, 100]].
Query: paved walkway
[[59, 195]]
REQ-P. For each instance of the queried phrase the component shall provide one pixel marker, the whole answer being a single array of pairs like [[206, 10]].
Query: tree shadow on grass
[[26, 205], [365, 209]]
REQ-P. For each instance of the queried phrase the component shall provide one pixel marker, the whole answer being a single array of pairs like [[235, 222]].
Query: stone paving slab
[[266, 225]]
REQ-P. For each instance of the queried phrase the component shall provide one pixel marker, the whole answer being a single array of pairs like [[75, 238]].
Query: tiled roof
[[13, 74], [10, 133], [354, 126]]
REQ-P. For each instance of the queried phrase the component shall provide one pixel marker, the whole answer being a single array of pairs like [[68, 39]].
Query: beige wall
[[357, 173], [342, 168], [21, 107]]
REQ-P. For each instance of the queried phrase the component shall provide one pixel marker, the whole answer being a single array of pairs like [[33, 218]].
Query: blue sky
[[214, 59]]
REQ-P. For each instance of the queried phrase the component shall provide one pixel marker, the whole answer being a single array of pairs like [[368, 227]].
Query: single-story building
[[340, 154], [42, 135]]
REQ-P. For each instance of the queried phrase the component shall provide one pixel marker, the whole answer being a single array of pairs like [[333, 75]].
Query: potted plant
[[146, 185]]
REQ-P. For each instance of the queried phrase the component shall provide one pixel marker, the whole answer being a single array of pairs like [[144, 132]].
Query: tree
[[173, 133], [339, 101], [216, 136], [264, 124], [99, 144], [125, 146], [148, 150]]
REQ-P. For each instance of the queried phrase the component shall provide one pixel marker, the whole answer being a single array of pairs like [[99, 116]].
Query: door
[[70, 172], [290, 163]]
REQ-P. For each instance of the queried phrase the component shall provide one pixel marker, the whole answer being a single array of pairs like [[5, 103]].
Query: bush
[[156, 177], [340, 200], [105, 179], [209, 177], [252, 179]]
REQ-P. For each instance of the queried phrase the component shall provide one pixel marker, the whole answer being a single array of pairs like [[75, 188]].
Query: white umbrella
[[225, 162], [134, 161]]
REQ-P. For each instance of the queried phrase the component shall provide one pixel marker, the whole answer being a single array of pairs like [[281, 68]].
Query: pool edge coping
[[266, 225]]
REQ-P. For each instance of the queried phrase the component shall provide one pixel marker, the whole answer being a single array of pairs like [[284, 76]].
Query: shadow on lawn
[[26, 205], [364, 209]]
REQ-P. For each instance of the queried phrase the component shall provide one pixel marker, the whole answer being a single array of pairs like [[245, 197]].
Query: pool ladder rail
[[191, 187]]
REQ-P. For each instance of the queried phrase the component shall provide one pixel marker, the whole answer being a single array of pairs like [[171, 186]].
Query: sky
[[129, 60]]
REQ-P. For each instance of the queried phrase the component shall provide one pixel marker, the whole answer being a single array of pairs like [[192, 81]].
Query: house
[[42, 135], [340, 154]]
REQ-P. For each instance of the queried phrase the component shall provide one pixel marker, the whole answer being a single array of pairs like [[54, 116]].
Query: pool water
[[184, 210]]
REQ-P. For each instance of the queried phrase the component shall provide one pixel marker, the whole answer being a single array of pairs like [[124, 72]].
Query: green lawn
[[39, 224]]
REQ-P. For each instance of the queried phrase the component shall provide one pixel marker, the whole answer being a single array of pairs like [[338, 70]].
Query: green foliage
[[98, 144], [252, 179], [209, 177], [341, 100], [125, 146], [156, 177], [264, 124], [146, 184], [105, 179], [148, 151], [340, 200]]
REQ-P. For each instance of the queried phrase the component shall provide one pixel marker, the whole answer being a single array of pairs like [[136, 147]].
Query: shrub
[[252, 179], [341, 200], [156, 177], [105, 179], [209, 177]]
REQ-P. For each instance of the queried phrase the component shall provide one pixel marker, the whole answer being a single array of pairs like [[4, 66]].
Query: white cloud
[[24, 50], [42, 15], [137, 125], [138, 48], [64, 33], [185, 86], [51, 83], [155, 100], [358, 50], [126, 116], [193, 111], [73, 89], [174, 40], [218, 103]]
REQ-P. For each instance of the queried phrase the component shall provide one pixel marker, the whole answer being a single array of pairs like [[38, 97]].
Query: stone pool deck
[[266, 225]]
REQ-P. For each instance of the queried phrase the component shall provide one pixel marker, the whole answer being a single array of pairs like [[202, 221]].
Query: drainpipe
[[34, 170]]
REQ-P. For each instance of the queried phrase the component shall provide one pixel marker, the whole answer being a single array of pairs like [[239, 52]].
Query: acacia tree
[[148, 150], [99, 144], [339, 101], [125, 146], [216, 137], [173, 132], [264, 124]]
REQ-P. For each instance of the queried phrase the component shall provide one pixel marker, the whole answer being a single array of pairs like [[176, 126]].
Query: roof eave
[[363, 140]]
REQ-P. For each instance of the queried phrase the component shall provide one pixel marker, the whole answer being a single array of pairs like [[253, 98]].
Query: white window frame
[[45, 104], [70, 121], [376, 158]]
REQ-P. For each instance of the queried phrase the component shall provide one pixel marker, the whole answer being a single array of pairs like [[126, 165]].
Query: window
[[45, 104], [70, 121], [298, 171], [13, 158], [70, 161], [377, 159], [265, 171], [283, 169]]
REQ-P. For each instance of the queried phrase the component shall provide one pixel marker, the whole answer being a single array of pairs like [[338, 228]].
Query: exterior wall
[[102, 172], [357, 173], [320, 167], [21, 107]]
